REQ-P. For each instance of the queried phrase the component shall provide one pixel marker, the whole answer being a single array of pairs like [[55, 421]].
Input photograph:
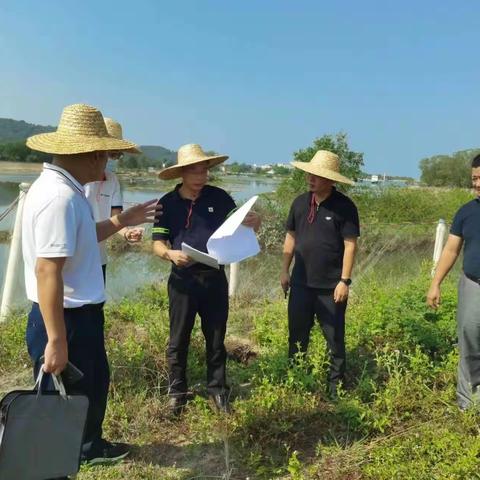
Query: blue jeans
[[86, 350]]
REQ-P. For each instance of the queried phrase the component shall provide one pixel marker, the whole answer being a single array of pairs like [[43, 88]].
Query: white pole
[[439, 241], [233, 281], [14, 257]]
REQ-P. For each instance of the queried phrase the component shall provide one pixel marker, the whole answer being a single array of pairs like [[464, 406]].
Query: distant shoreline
[[20, 167], [141, 176]]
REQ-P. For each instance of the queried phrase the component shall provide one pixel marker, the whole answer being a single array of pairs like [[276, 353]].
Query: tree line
[[19, 152], [438, 170], [448, 170]]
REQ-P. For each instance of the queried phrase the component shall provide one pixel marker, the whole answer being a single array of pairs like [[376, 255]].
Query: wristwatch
[[346, 281]]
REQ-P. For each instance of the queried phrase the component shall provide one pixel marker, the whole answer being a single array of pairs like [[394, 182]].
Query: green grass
[[396, 417]]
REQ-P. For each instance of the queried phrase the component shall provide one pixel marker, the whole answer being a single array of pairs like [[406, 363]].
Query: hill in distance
[[18, 130], [15, 130], [159, 153]]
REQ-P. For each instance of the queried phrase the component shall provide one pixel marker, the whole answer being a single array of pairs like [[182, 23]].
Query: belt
[[196, 269], [87, 306], [472, 278]]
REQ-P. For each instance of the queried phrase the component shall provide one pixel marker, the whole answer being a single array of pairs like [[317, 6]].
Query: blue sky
[[256, 80]]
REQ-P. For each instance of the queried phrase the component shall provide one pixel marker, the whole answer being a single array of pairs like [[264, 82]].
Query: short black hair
[[476, 161]]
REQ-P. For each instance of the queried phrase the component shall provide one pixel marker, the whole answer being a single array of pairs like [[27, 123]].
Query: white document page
[[233, 242], [198, 256]]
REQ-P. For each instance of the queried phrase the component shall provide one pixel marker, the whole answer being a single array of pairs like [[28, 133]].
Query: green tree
[[350, 163], [240, 168], [281, 170], [448, 170], [129, 162], [19, 152]]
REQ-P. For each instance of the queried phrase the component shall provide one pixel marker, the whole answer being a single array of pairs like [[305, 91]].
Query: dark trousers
[[303, 305], [86, 350], [205, 293]]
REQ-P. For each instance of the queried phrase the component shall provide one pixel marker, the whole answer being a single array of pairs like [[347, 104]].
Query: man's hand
[[285, 282], [147, 212], [178, 258], [134, 235], [56, 356], [341, 293], [252, 220], [434, 297]]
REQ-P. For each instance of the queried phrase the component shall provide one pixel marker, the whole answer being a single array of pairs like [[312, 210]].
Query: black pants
[[303, 305], [205, 293], [86, 350]]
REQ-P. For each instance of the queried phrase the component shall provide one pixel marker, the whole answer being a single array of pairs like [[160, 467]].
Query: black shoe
[[103, 452], [220, 400], [176, 405]]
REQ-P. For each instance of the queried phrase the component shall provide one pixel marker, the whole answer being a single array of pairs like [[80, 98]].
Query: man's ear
[[99, 156]]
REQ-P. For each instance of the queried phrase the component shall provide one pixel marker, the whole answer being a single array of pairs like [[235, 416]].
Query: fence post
[[14, 256], [233, 281], [439, 241]]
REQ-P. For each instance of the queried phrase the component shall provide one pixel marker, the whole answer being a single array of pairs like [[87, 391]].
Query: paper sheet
[[198, 256], [231, 242]]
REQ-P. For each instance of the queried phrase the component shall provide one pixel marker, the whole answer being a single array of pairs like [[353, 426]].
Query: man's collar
[[68, 176], [203, 192], [330, 195]]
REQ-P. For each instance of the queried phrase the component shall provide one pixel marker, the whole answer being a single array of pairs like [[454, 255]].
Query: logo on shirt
[[210, 209], [328, 218]]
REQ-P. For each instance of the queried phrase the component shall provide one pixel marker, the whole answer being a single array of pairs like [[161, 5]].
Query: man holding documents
[[193, 211], [322, 231]]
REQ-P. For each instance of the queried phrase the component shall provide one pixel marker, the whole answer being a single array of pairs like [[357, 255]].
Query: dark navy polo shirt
[[466, 224], [192, 221], [319, 246]]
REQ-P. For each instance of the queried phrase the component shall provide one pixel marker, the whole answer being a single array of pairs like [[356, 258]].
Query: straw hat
[[81, 130], [189, 155], [324, 164], [114, 129]]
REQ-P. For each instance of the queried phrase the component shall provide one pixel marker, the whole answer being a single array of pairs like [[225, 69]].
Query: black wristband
[[346, 281]]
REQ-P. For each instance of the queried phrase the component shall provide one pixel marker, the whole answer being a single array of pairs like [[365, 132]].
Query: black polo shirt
[[466, 224], [319, 245], [192, 221]]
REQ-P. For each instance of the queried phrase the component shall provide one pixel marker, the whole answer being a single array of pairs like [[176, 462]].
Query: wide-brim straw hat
[[189, 155], [324, 164], [115, 130], [81, 129]]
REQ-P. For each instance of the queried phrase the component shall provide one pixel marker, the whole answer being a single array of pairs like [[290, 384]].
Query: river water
[[132, 269]]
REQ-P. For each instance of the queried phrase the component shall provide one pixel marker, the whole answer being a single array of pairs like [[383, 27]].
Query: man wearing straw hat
[[193, 211], [105, 195], [63, 272], [322, 231]]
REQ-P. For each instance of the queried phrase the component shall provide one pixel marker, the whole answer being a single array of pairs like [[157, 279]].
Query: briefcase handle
[[57, 382]]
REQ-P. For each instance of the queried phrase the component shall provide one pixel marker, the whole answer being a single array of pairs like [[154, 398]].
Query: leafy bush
[[395, 418]]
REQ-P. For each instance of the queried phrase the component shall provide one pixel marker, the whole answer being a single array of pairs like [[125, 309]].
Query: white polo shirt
[[103, 196], [58, 222]]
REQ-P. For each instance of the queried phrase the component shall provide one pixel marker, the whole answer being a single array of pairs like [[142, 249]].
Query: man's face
[[97, 163], [195, 176], [318, 185], [476, 180]]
